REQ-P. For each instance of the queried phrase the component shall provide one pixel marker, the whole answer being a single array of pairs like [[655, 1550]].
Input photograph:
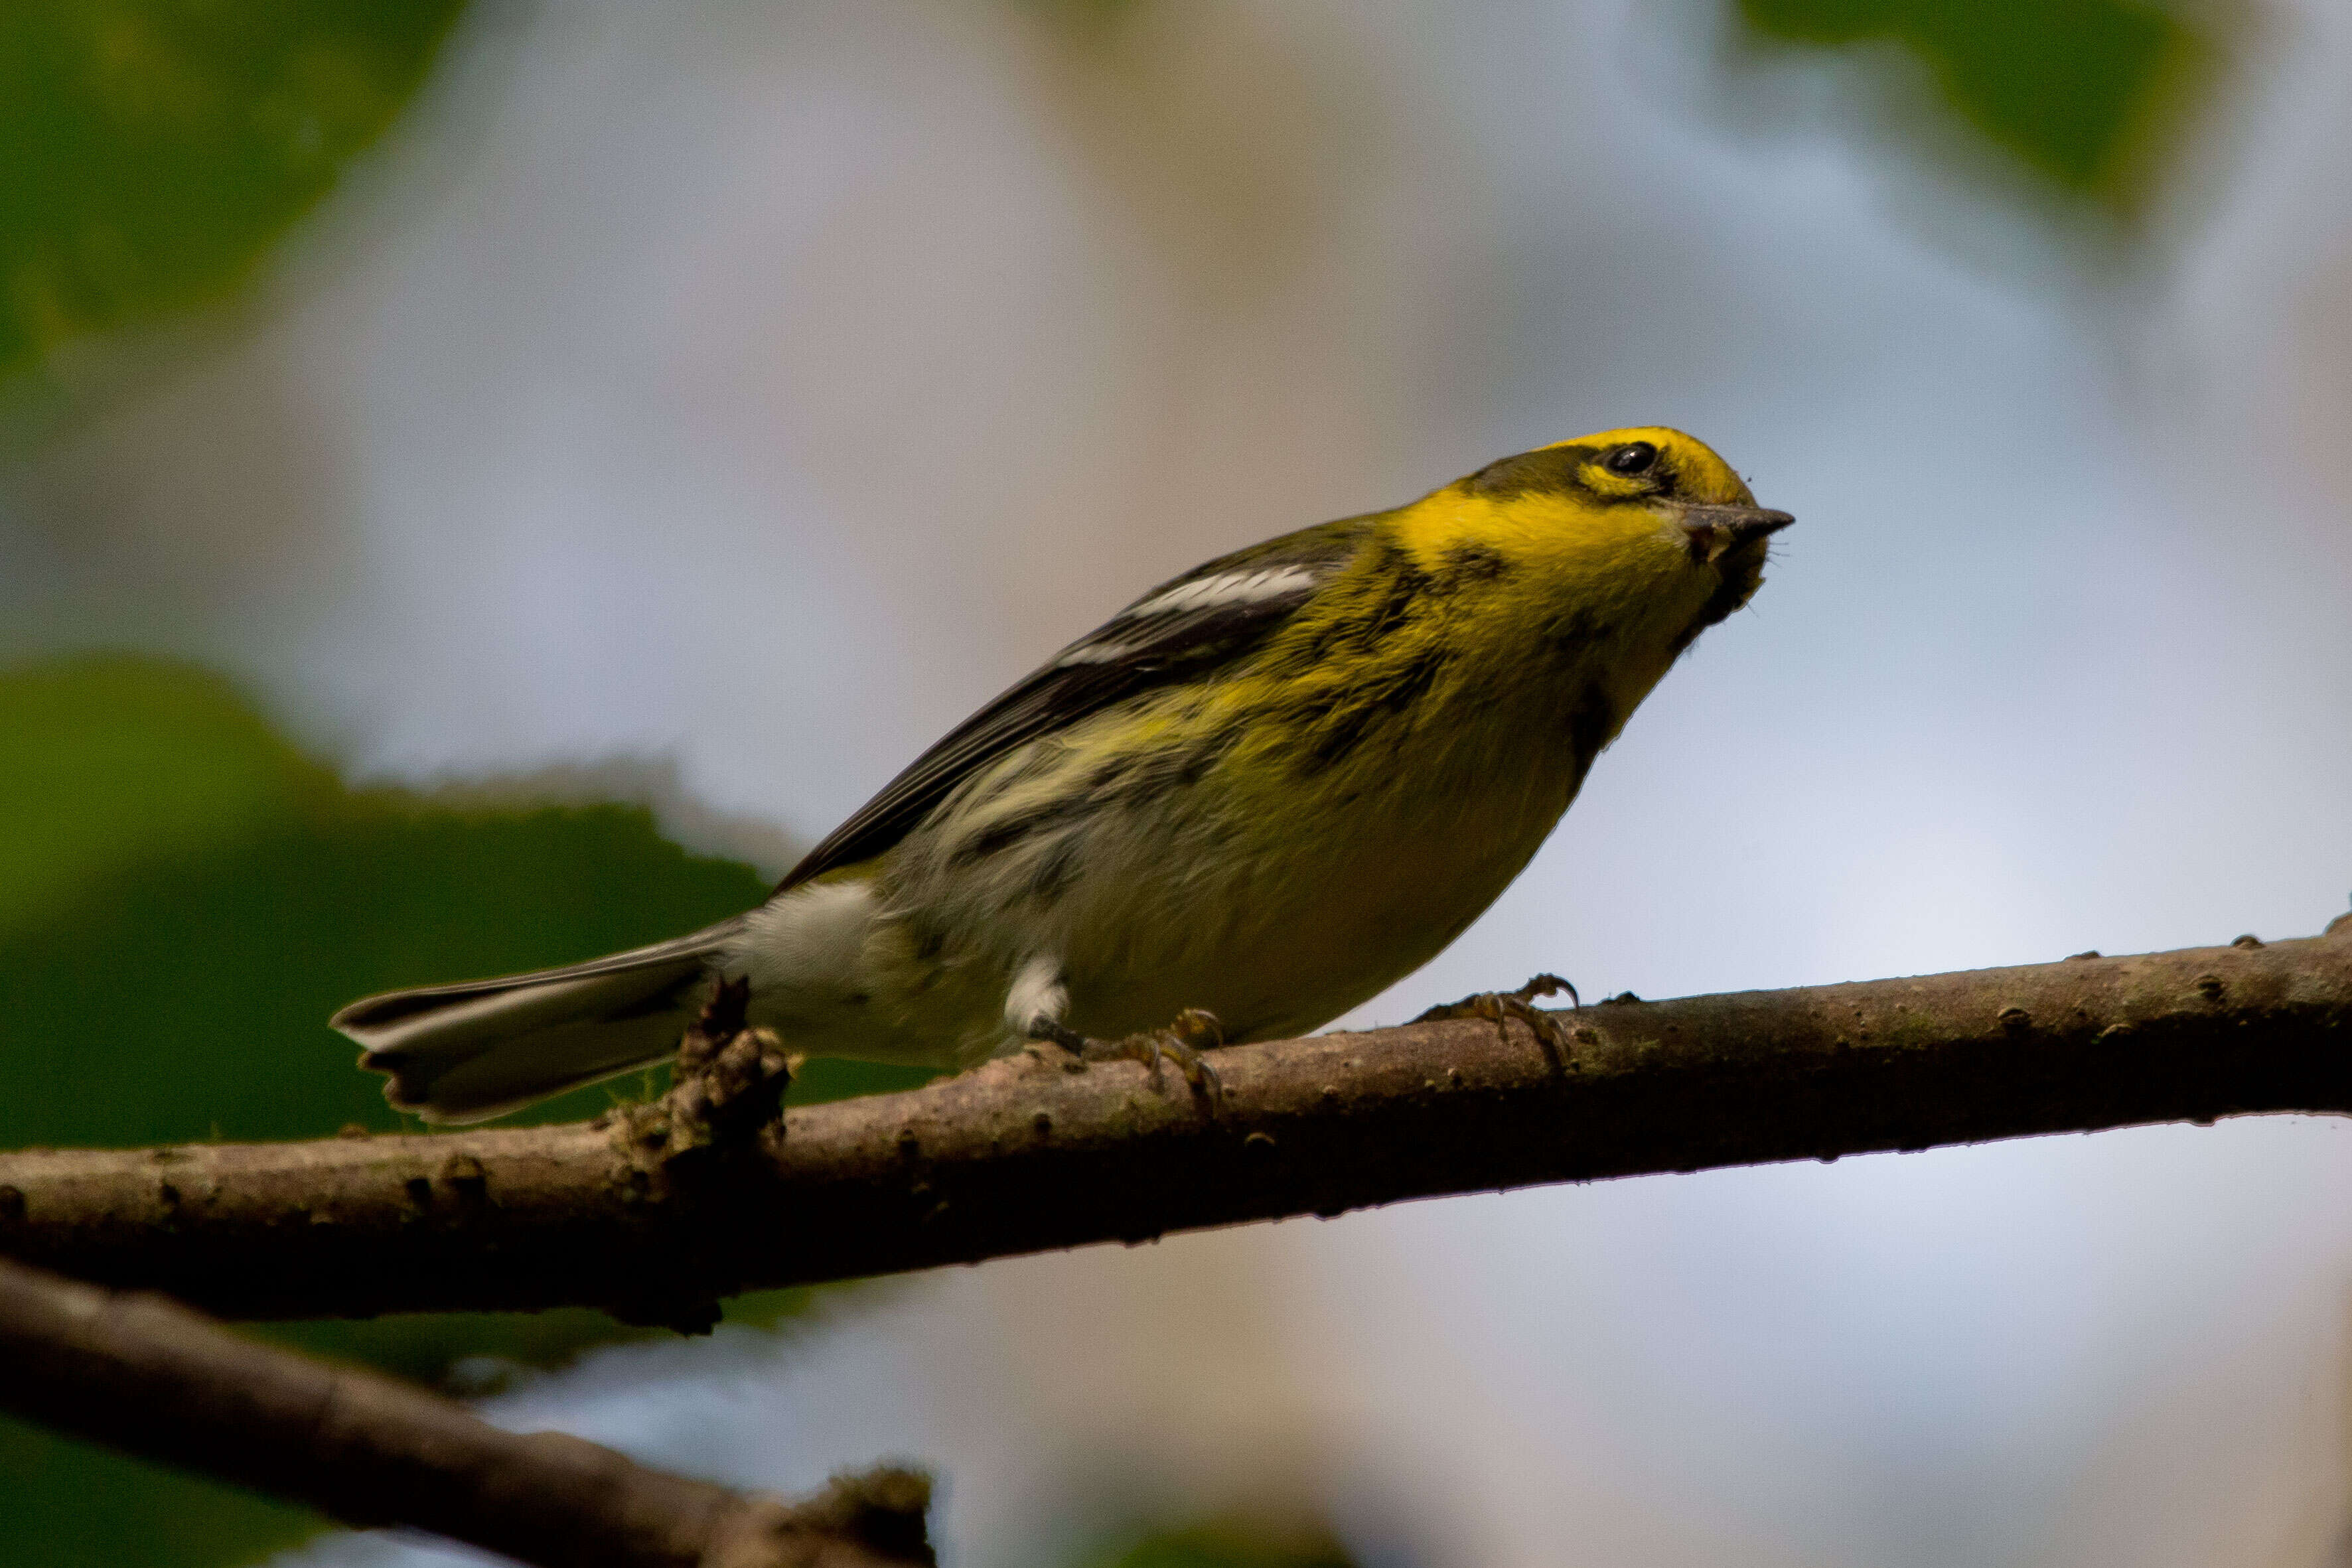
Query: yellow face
[[1643, 531]]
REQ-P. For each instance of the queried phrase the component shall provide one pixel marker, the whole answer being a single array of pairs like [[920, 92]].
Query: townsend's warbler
[[1265, 789]]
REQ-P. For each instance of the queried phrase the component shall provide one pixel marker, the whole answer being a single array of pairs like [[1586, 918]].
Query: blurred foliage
[[152, 150], [183, 899], [2089, 95], [203, 897], [1229, 1543]]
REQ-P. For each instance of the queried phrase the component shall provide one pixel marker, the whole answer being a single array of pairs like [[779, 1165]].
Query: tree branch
[[1022, 1155], [147, 1376]]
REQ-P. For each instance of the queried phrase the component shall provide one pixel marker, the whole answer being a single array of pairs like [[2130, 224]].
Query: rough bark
[[149, 1376], [1023, 1155]]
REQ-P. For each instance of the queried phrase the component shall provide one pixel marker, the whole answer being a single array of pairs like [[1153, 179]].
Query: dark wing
[[1214, 613]]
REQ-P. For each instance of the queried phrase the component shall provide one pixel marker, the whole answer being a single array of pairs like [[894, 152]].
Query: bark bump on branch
[[149, 1376], [1022, 1155]]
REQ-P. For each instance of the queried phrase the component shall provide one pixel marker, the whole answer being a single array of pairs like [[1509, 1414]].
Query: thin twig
[[147, 1376], [1023, 1155]]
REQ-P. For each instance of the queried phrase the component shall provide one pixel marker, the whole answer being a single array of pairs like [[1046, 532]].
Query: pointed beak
[[1716, 531]]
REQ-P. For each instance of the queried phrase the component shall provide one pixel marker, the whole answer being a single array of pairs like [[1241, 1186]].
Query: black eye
[[1633, 457]]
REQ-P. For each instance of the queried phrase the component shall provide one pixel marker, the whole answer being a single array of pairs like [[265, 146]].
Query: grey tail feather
[[479, 1049]]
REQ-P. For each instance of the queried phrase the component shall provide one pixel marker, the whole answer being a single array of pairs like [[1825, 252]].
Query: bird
[[1249, 801]]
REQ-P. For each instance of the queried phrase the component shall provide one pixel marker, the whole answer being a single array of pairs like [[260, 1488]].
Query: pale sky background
[[763, 387]]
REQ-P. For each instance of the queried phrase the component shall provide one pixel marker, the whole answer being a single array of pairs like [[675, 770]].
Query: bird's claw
[[1499, 1008], [1191, 1032]]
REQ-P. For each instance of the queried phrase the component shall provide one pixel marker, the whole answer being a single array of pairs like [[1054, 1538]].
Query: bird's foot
[[1499, 1008], [1183, 1041]]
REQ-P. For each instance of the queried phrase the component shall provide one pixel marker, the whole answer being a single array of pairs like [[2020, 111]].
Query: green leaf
[[151, 151], [2089, 96], [109, 765], [183, 899], [67, 1505], [208, 897]]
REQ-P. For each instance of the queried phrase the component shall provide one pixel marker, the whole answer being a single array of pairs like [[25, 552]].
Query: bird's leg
[[1054, 1032], [1183, 1041], [1033, 1008], [1039, 996], [1500, 1008]]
